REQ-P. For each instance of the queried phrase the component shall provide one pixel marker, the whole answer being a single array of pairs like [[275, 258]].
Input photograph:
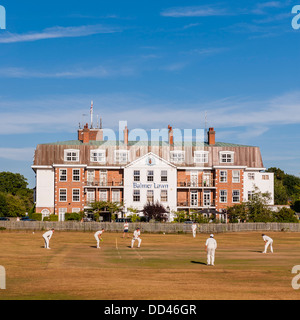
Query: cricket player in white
[[268, 242], [98, 236], [194, 229], [210, 247], [136, 236], [47, 236]]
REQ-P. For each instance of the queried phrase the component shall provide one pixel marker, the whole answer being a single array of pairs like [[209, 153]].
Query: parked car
[[4, 219], [123, 220], [26, 219], [188, 222]]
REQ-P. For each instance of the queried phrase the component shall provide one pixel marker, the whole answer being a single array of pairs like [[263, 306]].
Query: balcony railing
[[196, 184], [105, 183], [195, 204]]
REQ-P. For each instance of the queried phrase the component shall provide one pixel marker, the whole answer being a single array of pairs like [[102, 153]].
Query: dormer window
[[177, 156], [226, 156], [121, 156], [201, 156], [71, 155], [97, 156]]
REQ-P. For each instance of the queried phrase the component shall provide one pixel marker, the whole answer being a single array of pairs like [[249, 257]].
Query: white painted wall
[[45, 188], [260, 183], [143, 185]]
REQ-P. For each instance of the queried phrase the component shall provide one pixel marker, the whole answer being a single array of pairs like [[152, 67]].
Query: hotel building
[[207, 176]]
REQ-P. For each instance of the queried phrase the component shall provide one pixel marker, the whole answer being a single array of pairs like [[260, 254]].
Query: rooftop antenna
[[92, 105], [205, 124], [97, 122]]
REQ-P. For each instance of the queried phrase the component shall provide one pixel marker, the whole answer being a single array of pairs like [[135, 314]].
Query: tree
[[12, 182], [237, 213], [99, 207], [296, 206], [15, 206], [155, 211], [286, 186], [3, 205], [285, 215]]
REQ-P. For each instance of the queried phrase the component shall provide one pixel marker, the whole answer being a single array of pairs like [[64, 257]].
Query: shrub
[[36, 216], [75, 216], [52, 217]]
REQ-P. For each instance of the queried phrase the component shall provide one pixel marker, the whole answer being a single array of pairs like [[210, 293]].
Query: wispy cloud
[[19, 154], [194, 11], [255, 117], [57, 32], [73, 73]]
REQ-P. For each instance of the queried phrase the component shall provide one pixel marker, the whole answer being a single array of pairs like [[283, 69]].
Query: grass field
[[166, 267]]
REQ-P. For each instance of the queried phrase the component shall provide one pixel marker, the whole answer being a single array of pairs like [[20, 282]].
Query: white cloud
[[19, 154], [194, 11], [57, 32], [94, 72], [248, 118]]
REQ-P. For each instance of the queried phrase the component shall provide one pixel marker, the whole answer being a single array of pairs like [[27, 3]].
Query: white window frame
[[73, 157], [164, 195], [115, 195], [61, 214], [164, 176], [150, 196], [136, 175], [251, 176], [60, 195], [265, 177], [201, 156], [75, 175], [150, 177], [236, 178], [76, 195], [63, 175], [177, 156], [125, 157], [229, 156], [101, 193], [223, 178], [136, 196], [223, 194], [238, 196], [98, 155]]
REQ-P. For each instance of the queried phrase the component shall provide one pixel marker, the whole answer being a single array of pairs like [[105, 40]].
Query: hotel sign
[[150, 185]]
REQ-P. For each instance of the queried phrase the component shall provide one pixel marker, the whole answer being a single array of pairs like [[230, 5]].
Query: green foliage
[[15, 197], [52, 217], [256, 210], [296, 206], [36, 216], [285, 215], [286, 186], [12, 182], [180, 216], [73, 216], [15, 206], [135, 218]]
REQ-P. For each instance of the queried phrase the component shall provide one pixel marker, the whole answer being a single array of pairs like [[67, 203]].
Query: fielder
[[47, 236], [194, 229], [98, 237], [210, 248], [136, 236], [126, 226], [268, 242]]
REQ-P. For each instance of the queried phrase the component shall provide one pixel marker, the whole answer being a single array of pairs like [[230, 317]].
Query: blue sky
[[151, 63]]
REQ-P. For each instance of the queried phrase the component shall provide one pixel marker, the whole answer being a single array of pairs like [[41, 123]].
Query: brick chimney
[[126, 135], [86, 134], [211, 135], [171, 138]]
